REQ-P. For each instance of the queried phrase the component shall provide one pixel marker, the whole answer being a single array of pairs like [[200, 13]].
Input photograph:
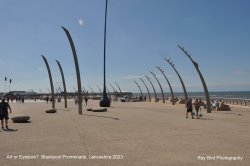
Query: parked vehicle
[[125, 98]]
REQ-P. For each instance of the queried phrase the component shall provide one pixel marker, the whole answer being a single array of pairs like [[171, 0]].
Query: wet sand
[[140, 133]]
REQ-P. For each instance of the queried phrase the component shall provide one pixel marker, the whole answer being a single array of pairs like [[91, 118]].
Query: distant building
[[14, 94]]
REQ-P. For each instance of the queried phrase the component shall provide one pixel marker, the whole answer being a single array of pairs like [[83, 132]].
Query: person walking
[[47, 99], [189, 106], [86, 100], [4, 115], [197, 108]]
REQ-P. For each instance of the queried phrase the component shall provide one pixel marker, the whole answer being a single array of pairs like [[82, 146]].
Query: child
[[4, 113]]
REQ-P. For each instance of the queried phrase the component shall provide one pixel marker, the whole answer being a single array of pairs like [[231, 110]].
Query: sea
[[228, 94]]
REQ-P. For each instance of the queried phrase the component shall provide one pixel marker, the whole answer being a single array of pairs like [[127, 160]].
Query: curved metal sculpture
[[201, 77], [156, 99], [138, 87], [118, 87], [182, 83], [92, 91], [108, 93], [99, 89], [240, 102], [104, 102], [84, 90], [51, 81], [163, 97], [170, 87], [113, 89], [149, 97], [78, 76], [237, 101], [64, 84]]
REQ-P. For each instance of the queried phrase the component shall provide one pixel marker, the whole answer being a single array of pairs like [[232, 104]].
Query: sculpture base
[[97, 109], [20, 118], [104, 102], [51, 111]]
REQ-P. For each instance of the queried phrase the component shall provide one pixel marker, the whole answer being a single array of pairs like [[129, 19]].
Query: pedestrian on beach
[[4, 115], [86, 100], [189, 106], [47, 99], [197, 107], [76, 100]]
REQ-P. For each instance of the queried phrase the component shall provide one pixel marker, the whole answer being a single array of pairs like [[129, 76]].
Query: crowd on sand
[[18, 99]]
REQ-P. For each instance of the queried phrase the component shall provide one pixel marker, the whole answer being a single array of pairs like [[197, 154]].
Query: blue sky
[[140, 33]]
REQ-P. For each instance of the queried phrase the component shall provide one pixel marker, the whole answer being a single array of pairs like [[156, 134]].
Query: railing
[[237, 101], [230, 101]]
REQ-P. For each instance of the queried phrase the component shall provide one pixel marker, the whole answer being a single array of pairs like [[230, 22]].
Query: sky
[[140, 34]]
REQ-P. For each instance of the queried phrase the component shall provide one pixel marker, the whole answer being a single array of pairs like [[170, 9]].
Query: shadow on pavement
[[23, 122], [205, 119], [102, 116], [232, 113], [10, 130]]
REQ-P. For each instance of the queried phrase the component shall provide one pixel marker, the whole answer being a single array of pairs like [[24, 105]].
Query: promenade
[[131, 134]]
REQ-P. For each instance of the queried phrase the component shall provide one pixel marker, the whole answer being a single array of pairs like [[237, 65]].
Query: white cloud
[[80, 22], [129, 77]]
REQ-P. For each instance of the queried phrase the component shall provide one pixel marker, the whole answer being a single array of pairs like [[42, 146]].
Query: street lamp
[[10, 84], [5, 79], [104, 102]]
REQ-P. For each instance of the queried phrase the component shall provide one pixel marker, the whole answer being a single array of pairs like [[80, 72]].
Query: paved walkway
[[132, 134]]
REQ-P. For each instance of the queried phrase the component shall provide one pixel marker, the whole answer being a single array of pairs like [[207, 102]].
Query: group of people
[[19, 99], [4, 114], [85, 99], [197, 105]]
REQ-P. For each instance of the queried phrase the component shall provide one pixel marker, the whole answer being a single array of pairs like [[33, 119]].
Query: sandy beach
[[139, 133]]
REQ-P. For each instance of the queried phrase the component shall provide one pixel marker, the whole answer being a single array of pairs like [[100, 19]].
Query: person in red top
[[4, 115]]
